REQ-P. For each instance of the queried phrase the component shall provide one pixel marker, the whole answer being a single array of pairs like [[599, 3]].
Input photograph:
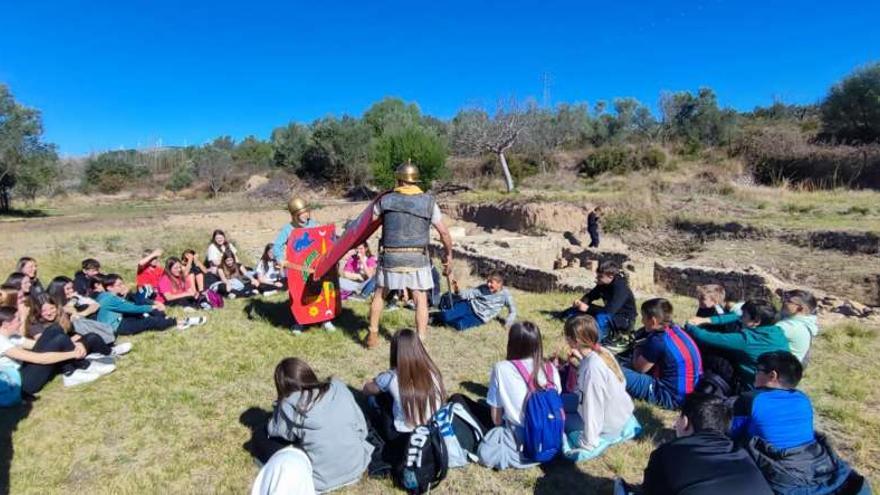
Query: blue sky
[[128, 73]]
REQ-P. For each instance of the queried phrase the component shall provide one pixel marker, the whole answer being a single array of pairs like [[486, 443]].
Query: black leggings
[[184, 302], [157, 320], [35, 376]]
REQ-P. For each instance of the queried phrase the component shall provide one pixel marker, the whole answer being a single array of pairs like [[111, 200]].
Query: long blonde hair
[[584, 331]]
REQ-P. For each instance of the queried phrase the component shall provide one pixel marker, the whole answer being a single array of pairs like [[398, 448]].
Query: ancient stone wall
[[739, 284], [846, 241], [522, 217]]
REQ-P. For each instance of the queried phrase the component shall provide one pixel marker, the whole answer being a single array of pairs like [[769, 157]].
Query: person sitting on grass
[[90, 268], [127, 318], [479, 305], [799, 323], [618, 314], [711, 299], [30, 364], [406, 395], [267, 272], [192, 266], [149, 271], [20, 283], [775, 422], [236, 282], [600, 412], [734, 356], [218, 247], [701, 460], [176, 286], [77, 310], [28, 266], [666, 364], [288, 472], [358, 274], [323, 419]]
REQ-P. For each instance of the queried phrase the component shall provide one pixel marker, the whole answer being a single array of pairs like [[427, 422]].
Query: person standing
[[300, 218], [407, 215], [593, 226]]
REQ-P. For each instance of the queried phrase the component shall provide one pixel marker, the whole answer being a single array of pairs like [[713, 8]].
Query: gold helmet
[[407, 172], [297, 205]]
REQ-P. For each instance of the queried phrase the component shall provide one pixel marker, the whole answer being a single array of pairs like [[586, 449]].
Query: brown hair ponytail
[[584, 331]]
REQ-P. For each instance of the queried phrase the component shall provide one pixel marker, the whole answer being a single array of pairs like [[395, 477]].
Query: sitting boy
[[701, 460], [126, 318], [90, 268], [734, 356], [799, 323], [711, 299], [479, 305], [775, 422], [666, 364], [619, 311]]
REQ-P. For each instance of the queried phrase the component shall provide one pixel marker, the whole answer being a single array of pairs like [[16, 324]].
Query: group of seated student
[[357, 273]]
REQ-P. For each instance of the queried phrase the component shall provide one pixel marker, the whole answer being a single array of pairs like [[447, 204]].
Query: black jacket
[[620, 303], [81, 284], [705, 463]]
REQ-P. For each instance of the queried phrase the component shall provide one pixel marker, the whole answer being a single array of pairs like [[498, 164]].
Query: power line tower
[[546, 82]]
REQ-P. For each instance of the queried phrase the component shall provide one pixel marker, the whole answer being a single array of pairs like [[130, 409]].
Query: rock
[[255, 181], [457, 233]]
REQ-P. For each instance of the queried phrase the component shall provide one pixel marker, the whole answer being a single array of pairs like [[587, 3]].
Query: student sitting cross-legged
[[734, 355], [775, 422], [599, 413], [479, 305], [127, 318], [618, 314], [701, 460], [666, 364]]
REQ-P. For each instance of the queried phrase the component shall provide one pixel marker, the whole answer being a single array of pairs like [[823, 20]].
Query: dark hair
[[55, 289], [266, 250], [524, 342], [610, 268], [801, 297], [496, 276], [7, 315], [228, 254], [109, 279], [418, 378], [294, 375], [218, 232], [179, 283], [186, 252], [91, 264], [97, 280], [658, 308], [706, 412], [13, 281], [786, 365], [760, 310], [24, 260]]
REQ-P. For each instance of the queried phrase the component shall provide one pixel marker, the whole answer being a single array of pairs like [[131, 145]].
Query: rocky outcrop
[[522, 217]]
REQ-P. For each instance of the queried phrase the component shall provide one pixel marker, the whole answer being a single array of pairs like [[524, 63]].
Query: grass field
[[177, 414]]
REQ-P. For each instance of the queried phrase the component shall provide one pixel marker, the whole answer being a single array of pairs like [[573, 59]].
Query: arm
[[641, 364], [370, 388], [618, 298], [148, 258], [90, 309], [26, 356], [278, 247], [282, 422], [511, 311], [497, 416], [724, 319], [735, 341], [446, 239], [655, 479], [120, 305]]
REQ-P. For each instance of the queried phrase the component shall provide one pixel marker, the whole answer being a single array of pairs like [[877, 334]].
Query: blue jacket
[[114, 307]]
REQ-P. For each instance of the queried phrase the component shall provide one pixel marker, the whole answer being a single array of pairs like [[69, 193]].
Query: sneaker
[[121, 349], [231, 296], [192, 321], [101, 368], [328, 326], [357, 298], [270, 293], [101, 358], [78, 377], [205, 306], [391, 307], [410, 305], [372, 340], [189, 309], [297, 329]]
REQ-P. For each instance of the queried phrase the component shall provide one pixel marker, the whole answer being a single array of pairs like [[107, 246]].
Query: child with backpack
[[525, 404], [406, 395], [600, 413]]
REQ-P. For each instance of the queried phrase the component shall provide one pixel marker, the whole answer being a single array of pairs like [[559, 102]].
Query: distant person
[[90, 268], [268, 274], [177, 287], [593, 226], [193, 267], [775, 422], [701, 460], [712, 301], [28, 266], [734, 355], [323, 419], [219, 246], [80, 311], [618, 314], [479, 305], [236, 281], [358, 274], [149, 271], [406, 395], [666, 364]]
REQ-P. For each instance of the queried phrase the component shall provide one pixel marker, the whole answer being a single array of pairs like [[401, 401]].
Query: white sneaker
[[269, 293], [297, 329], [101, 367], [192, 321], [121, 349], [78, 377], [231, 296], [328, 326]]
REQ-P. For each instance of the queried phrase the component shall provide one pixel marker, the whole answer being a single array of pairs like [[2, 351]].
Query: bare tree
[[214, 166], [474, 132]]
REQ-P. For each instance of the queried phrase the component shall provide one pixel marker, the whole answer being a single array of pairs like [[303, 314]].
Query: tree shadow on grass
[[563, 476], [9, 419], [29, 213], [277, 314]]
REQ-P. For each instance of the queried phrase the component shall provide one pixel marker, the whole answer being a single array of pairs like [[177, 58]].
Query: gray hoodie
[[333, 434], [799, 330]]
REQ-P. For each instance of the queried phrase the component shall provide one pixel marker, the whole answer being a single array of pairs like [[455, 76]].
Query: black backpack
[[425, 461]]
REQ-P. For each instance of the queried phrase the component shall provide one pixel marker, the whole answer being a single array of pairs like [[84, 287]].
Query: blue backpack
[[544, 417]]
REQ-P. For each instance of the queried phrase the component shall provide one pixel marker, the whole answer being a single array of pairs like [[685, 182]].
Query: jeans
[[604, 322], [594, 237], [131, 325], [647, 388], [460, 317]]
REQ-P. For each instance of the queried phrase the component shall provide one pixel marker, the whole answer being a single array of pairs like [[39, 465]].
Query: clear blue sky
[[127, 73]]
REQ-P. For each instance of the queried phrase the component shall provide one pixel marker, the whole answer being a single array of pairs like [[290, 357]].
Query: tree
[[26, 162], [391, 113], [214, 166], [111, 172], [289, 144], [474, 132], [413, 143], [338, 151], [254, 152], [696, 120], [851, 111]]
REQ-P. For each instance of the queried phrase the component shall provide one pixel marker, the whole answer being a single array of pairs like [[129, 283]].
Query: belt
[[404, 250]]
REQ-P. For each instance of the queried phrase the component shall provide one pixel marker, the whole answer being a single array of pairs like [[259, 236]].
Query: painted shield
[[311, 301]]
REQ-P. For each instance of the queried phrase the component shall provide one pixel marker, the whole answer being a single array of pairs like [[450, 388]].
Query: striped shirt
[[676, 358]]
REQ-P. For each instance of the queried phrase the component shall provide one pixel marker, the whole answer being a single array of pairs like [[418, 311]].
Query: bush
[[181, 178], [621, 159], [109, 173], [422, 146], [851, 111]]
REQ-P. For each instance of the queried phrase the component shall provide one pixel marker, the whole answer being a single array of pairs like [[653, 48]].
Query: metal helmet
[[407, 172], [296, 205]]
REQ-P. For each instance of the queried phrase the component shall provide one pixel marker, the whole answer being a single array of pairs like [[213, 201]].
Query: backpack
[[712, 383], [212, 298], [425, 462], [461, 433], [543, 417]]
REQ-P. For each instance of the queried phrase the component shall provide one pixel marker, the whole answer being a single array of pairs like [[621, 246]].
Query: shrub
[[621, 159], [109, 172], [181, 178], [423, 147]]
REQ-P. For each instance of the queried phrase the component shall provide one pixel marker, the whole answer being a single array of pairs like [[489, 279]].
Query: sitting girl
[[28, 266], [235, 282], [77, 311], [322, 418], [219, 247], [193, 266], [268, 274], [405, 396], [358, 273], [600, 412], [176, 287]]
